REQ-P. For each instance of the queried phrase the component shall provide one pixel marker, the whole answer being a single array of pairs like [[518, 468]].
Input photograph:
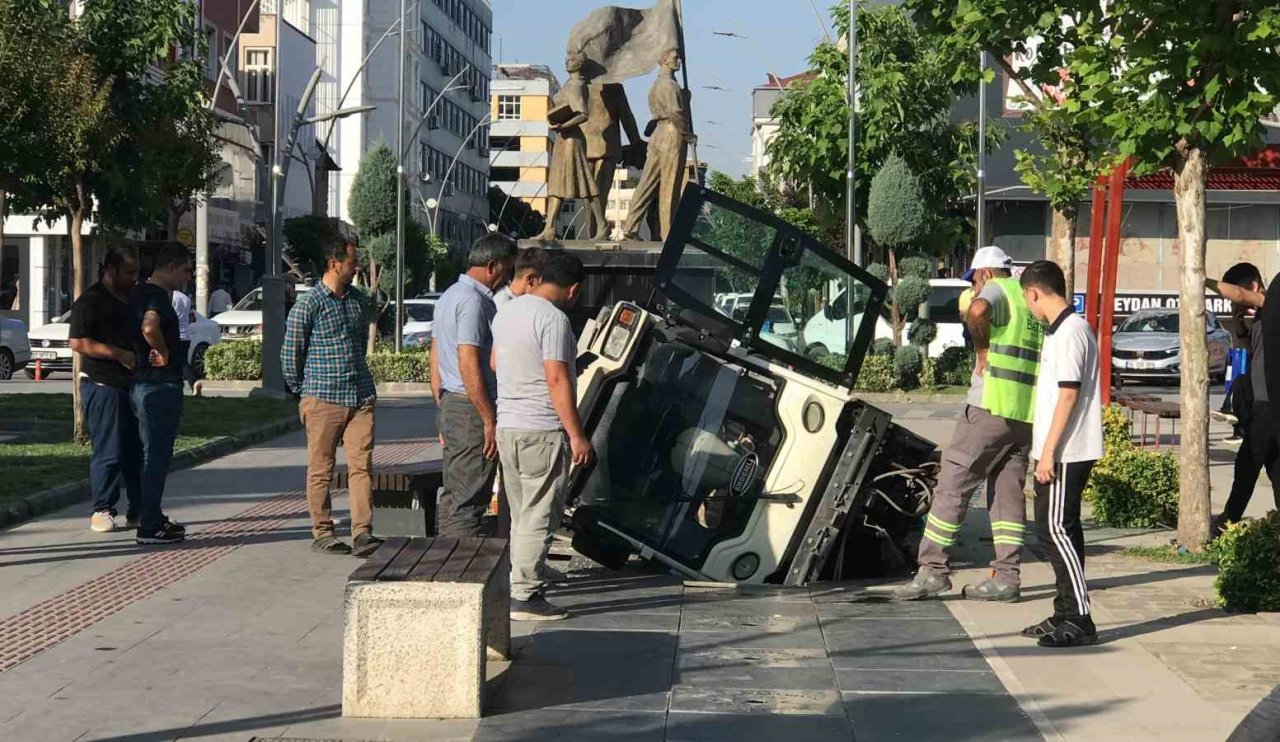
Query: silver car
[[1145, 346]]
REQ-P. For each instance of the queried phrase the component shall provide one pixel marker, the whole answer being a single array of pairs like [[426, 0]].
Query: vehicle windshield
[[420, 312], [765, 273], [1151, 323], [252, 302]]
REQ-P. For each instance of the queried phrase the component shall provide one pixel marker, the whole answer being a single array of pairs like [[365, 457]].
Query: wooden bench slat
[[457, 565], [431, 563], [374, 565], [486, 559], [403, 564]]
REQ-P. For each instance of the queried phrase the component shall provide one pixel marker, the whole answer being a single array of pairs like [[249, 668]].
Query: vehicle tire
[[816, 351], [197, 360], [1117, 381], [6, 364]]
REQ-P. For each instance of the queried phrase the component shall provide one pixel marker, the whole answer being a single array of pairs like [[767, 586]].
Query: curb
[[39, 503], [909, 398], [389, 389]]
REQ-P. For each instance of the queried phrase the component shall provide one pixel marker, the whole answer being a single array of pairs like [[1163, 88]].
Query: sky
[[780, 36]]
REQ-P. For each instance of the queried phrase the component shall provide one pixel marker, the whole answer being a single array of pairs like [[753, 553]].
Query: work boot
[[924, 585], [992, 591]]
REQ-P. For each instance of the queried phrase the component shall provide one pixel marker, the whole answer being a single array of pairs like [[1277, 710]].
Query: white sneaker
[[102, 522]]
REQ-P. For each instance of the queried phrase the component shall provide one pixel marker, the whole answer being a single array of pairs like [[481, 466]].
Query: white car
[[417, 328], [780, 327], [244, 320], [826, 330], [50, 345], [15, 348]]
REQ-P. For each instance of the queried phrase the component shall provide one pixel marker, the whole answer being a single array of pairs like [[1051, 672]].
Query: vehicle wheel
[[6, 364], [816, 351], [197, 360], [1117, 381]]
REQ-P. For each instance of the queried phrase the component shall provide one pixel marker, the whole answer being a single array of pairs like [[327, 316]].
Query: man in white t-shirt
[[219, 301], [186, 315], [1066, 440]]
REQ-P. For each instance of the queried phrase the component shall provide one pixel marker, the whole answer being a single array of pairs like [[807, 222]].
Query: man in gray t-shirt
[[534, 356]]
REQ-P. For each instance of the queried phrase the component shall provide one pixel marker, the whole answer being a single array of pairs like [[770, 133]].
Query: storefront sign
[[1129, 302]]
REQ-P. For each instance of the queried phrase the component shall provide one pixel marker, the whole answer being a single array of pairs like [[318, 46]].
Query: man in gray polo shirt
[[539, 431], [465, 387]]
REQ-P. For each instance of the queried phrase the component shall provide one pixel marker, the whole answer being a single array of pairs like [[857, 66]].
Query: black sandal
[[1044, 627], [330, 545], [1070, 634]]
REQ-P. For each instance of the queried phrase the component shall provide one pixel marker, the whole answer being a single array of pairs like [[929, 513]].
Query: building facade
[[520, 139]]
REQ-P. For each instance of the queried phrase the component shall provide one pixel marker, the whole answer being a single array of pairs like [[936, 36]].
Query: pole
[[202, 256], [449, 173], [982, 149], [684, 70], [399, 318], [853, 235], [273, 293]]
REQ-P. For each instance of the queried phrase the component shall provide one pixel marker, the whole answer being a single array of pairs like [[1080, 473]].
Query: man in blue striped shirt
[[324, 363]]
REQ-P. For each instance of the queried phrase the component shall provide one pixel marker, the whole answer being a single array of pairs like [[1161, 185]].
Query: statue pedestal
[[597, 246]]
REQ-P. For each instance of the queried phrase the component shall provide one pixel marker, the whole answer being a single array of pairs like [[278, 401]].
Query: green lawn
[[42, 456], [1167, 555]]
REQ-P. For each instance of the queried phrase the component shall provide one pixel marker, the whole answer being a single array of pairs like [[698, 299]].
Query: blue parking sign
[[1077, 303]]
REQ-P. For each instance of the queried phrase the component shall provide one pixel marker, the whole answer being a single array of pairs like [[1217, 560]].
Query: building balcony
[[520, 159], [522, 188], [519, 129]]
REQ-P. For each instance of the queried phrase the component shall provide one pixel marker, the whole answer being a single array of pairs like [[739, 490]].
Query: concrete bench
[[404, 497], [419, 615]]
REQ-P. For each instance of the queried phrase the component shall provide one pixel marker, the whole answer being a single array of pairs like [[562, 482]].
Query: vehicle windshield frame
[[788, 248]]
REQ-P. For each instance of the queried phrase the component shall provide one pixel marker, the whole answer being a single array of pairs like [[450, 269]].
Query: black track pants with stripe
[[1061, 536]]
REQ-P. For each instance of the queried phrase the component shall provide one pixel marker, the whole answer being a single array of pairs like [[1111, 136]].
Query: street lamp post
[[399, 332], [853, 234], [982, 150]]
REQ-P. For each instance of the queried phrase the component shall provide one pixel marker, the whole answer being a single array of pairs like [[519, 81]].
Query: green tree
[[513, 216], [308, 237], [372, 203], [1182, 86], [1065, 166], [905, 95], [897, 220]]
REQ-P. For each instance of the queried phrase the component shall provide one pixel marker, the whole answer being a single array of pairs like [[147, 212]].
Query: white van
[[827, 328]]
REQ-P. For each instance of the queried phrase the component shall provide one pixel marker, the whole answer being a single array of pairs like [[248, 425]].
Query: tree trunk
[[373, 304], [1063, 243], [1190, 176], [895, 317], [75, 223], [3, 194]]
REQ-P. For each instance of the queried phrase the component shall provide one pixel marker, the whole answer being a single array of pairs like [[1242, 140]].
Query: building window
[[211, 49], [259, 76], [508, 108], [504, 174]]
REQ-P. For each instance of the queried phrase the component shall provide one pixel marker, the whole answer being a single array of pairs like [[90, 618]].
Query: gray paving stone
[[761, 621], [806, 638], [918, 681], [876, 609], [755, 701], [637, 686], [572, 725], [599, 648], [621, 621], [694, 727], [943, 717], [791, 669]]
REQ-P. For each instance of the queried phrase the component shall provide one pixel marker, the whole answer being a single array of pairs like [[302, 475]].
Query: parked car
[[15, 347], [417, 328], [244, 320], [827, 328], [780, 327], [1146, 346], [51, 347]]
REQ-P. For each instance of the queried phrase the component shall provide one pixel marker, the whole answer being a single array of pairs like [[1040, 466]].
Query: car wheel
[[6, 364], [197, 360]]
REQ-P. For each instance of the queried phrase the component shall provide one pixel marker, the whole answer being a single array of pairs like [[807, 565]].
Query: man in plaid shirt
[[324, 363]]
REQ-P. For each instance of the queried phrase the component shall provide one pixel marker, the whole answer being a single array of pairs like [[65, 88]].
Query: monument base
[[640, 246]]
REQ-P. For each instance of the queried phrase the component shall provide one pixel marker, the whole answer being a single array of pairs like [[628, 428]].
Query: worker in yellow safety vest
[[992, 439]]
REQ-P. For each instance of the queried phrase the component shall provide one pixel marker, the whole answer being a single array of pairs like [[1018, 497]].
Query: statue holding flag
[[671, 133]]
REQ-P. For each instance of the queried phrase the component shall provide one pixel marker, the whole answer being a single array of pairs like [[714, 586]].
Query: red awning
[[1257, 172]]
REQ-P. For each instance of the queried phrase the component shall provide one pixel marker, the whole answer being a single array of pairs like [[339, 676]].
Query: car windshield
[[765, 273], [420, 312], [1151, 323], [252, 302]]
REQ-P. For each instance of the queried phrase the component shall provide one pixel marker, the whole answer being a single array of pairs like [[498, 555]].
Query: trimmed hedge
[[241, 360], [954, 367], [1130, 487], [876, 375], [1248, 557]]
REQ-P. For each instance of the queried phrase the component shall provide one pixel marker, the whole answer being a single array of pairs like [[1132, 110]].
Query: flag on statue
[[621, 43]]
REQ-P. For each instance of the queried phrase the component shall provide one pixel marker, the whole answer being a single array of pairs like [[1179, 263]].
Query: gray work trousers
[[468, 475], [984, 449], [535, 465]]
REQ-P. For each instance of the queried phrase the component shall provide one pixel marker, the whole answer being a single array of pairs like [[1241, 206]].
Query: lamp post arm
[[430, 109], [328, 134], [224, 69], [488, 119]]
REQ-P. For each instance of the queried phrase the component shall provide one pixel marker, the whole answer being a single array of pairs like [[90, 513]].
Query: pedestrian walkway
[[236, 635]]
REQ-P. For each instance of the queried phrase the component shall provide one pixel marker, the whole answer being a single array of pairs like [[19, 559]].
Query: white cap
[[990, 257]]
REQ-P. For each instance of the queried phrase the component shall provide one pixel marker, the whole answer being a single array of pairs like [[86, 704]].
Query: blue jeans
[[116, 460], [158, 407]]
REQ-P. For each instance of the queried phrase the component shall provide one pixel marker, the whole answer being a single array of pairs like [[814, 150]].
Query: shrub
[[928, 373], [955, 366], [234, 360], [922, 333], [1132, 488], [880, 271], [896, 213], [832, 361], [907, 364], [876, 374], [916, 265], [882, 347], [909, 294], [1117, 429], [1248, 557], [400, 367]]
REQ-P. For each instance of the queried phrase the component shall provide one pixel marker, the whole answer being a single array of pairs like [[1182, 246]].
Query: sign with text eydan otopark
[[1129, 302]]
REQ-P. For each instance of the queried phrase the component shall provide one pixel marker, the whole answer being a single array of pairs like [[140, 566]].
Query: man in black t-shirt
[[101, 334], [156, 393]]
